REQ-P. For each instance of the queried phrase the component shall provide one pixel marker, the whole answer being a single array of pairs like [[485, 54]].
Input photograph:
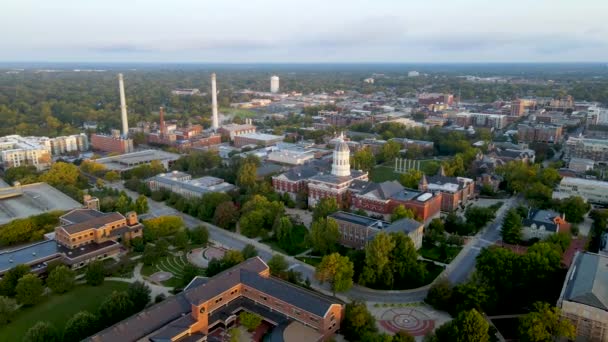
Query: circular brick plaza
[[413, 321]]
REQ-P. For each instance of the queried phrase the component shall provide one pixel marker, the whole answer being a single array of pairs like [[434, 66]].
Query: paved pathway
[[137, 276], [457, 272]]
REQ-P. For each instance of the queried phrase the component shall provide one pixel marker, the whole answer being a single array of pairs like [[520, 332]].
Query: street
[[457, 272]]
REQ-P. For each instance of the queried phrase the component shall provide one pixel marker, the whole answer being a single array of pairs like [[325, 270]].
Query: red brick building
[[548, 133], [111, 143], [455, 191], [209, 304], [383, 198]]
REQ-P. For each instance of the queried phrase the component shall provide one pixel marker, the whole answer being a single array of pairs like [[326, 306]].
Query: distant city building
[[581, 165], [584, 299], [594, 149], [182, 184], [597, 115], [67, 144], [111, 143], [291, 157], [369, 80], [560, 104], [592, 191], [497, 121], [426, 99], [186, 91], [546, 133], [274, 84], [16, 150], [356, 230], [232, 130], [259, 139], [413, 74], [520, 106]]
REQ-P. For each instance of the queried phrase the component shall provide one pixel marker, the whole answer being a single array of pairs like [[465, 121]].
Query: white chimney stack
[[123, 106], [214, 118]]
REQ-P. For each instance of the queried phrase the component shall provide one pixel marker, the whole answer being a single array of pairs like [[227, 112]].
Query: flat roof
[[357, 219], [260, 136], [33, 199], [127, 160], [582, 181], [28, 255]]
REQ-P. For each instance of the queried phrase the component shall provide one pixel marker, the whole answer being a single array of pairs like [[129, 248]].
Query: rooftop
[[358, 219], [94, 222], [588, 281], [405, 225], [129, 160], [32, 199], [584, 182], [260, 136], [28, 255]]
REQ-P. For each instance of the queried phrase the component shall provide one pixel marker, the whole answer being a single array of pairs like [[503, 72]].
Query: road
[[457, 272]]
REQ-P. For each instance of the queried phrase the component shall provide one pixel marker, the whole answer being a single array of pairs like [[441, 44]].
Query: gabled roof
[[95, 222], [383, 191], [588, 283], [81, 215], [405, 225]]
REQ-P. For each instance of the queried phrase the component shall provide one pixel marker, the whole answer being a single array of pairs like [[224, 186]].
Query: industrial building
[[130, 160], [22, 201], [182, 184], [114, 143], [232, 130], [258, 139]]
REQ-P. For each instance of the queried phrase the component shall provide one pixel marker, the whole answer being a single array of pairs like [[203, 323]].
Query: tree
[[325, 207], [112, 176], [123, 204], [574, 208], [80, 326], [250, 320], [363, 160], [440, 295], [337, 270], [42, 332], [390, 150], [209, 203], [61, 279], [61, 174], [249, 251], [181, 239], [278, 265], [232, 258], [226, 215], [411, 178], [29, 289], [139, 293], [468, 326], [11, 278], [162, 226], [141, 205], [116, 307], [478, 217], [95, 273], [377, 259], [189, 272], [511, 227], [545, 323], [199, 235], [357, 321], [8, 306], [401, 212], [435, 232], [324, 235], [246, 175], [403, 336]]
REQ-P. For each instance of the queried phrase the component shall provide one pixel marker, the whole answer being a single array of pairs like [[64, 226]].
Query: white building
[[182, 184], [16, 150], [274, 84], [67, 144], [592, 191], [291, 156], [598, 115], [369, 80], [580, 164], [413, 74]]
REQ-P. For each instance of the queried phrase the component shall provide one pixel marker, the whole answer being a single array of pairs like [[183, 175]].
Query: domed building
[[337, 183]]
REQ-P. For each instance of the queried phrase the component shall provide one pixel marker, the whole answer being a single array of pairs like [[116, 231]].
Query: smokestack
[[123, 106], [214, 117], [162, 121]]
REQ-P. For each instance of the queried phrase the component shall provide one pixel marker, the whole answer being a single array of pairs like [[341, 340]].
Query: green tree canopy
[[8, 306], [278, 265], [325, 207], [80, 326], [42, 332], [402, 212], [357, 321], [95, 273], [545, 323], [324, 235], [61, 279], [250, 320], [29, 290], [337, 270], [363, 160], [411, 178], [512, 225], [116, 307], [9, 281]]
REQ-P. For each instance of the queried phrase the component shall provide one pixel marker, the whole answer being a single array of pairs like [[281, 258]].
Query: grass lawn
[[433, 252], [57, 309], [383, 173], [172, 264], [311, 261]]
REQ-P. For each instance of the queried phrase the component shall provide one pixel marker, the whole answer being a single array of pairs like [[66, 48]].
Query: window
[[264, 297], [297, 312]]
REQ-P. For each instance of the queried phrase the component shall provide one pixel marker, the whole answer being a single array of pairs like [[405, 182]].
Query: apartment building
[[594, 149], [16, 151], [547, 133], [496, 121], [592, 191]]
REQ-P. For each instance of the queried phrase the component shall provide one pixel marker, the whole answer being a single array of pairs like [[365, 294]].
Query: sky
[[311, 31]]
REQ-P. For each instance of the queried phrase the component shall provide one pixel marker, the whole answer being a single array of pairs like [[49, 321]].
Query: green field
[[383, 174], [172, 264], [57, 309], [311, 261]]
